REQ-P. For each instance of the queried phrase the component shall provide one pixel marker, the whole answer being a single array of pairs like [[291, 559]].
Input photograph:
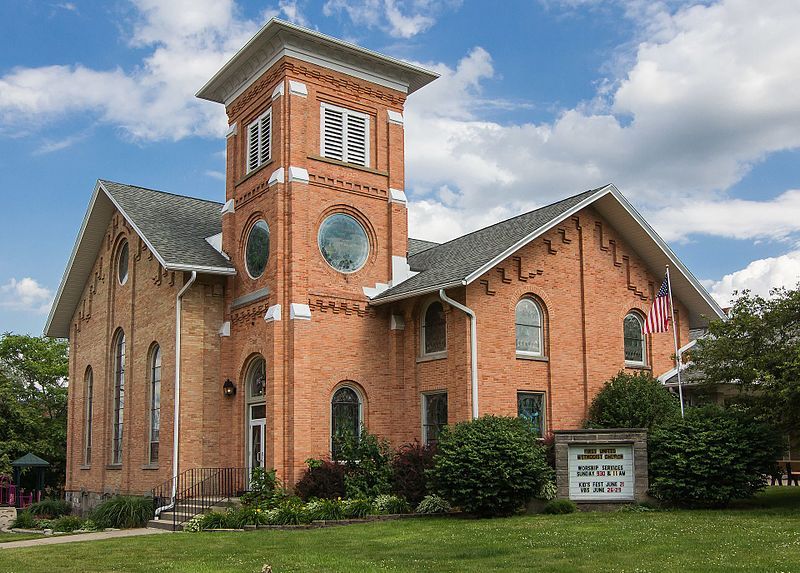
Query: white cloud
[[25, 295], [759, 277], [705, 96], [400, 18], [218, 175], [51, 145]]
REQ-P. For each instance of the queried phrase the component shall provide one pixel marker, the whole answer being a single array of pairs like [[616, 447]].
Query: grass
[[6, 536], [757, 535]]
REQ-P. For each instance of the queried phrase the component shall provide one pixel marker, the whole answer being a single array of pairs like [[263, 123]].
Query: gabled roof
[[30, 460], [463, 260], [416, 246], [173, 227]]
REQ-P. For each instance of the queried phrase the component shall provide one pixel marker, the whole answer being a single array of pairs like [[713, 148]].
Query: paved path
[[99, 535]]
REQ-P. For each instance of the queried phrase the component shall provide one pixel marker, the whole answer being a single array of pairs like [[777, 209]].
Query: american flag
[[658, 317]]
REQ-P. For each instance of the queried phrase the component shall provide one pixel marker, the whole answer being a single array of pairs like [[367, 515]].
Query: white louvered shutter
[[265, 139], [252, 146], [356, 139], [333, 132]]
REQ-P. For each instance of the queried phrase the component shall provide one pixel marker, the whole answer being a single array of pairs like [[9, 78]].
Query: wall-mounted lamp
[[228, 388]]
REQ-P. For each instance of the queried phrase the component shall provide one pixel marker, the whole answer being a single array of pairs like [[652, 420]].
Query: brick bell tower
[[315, 221]]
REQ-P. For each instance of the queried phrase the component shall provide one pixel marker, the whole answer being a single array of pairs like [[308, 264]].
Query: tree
[[758, 347], [632, 401], [33, 400]]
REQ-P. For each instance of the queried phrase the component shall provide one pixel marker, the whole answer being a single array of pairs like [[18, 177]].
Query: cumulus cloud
[[400, 18], [25, 295], [759, 277]]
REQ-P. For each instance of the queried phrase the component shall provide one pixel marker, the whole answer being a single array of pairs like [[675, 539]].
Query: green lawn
[[10, 536], [758, 535]]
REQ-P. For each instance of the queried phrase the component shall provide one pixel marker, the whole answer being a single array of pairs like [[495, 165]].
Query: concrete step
[[164, 524]]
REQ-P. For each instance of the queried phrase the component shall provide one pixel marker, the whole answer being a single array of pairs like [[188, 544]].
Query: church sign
[[601, 466]]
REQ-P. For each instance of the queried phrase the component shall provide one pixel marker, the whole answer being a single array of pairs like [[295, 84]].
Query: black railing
[[196, 490]]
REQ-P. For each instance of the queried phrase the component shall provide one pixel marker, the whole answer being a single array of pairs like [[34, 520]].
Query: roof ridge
[[162, 192], [518, 216]]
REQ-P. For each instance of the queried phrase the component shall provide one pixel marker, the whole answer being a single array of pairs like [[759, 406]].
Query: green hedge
[[632, 401]]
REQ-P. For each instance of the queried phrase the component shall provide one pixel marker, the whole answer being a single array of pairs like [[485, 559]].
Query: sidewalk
[[100, 535]]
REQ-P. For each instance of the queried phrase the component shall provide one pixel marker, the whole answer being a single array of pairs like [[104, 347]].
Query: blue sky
[[691, 109]]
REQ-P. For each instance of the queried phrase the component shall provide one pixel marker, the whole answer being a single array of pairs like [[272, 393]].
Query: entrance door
[[256, 437]]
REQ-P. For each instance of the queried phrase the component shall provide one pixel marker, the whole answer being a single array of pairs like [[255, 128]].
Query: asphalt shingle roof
[[451, 262], [176, 226], [416, 246]]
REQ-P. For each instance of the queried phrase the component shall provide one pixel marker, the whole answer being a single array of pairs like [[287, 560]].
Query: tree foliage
[[632, 401], [758, 347], [33, 401]]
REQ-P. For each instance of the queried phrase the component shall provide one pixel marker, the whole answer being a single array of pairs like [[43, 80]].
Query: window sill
[[432, 357], [85, 467], [150, 467], [114, 467], [254, 171], [345, 164], [534, 357], [636, 366]]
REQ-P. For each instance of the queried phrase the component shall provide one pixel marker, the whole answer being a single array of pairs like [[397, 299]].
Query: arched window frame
[[360, 414], [88, 397], [118, 410], [640, 320], [541, 328], [154, 409], [256, 362], [423, 331]]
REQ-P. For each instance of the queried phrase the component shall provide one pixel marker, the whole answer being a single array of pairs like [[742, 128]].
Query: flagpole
[[675, 339]]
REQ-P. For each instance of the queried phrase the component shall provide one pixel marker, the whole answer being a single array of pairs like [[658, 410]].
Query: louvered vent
[[345, 135], [259, 141]]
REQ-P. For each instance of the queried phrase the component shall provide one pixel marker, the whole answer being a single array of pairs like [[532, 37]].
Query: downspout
[[176, 416], [473, 328]]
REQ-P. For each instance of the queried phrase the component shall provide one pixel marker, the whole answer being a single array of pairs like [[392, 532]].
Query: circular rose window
[[122, 264], [343, 242], [257, 249]]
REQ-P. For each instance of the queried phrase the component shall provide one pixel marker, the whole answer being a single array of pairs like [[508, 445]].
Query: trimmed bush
[[25, 520], [560, 506], [356, 508], [324, 509], [409, 465], [711, 457], [322, 480], [50, 508], [123, 512], [68, 523], [390, 504], [490, 466], [632, 401], [433, 504]]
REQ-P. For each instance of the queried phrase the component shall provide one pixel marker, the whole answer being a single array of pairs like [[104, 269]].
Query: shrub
[[68, 523], [490, 466], [711, 457], [217, 520], [547, 491], [25, 520], [290, 512], [632, 401], [356, 508], [194, 525], [560, 506], [322, 480], [432, 504], [324, 509], [50, 508], [265, 488], [123, 511], [390, 504], [409, 465], [367, 461]]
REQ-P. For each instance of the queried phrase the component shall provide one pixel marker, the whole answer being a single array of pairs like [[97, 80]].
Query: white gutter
[[176, 416], [473, 324]]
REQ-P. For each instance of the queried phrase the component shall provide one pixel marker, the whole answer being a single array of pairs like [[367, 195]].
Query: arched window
[[256, 379], [155, 402], [255, 393], [633, 331], [528, 320], [88, 396], [119, 397], [346, 418], [433, 329]]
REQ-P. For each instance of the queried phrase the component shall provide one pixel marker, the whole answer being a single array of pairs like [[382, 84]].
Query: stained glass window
[[434, 329], [343, 242], [122, 263], [345, 418], [119, 398], [88, 397], [634, 339], [155, 403], [257, 379], [530, 406], [528, 321], [257, 249], [435, 416]]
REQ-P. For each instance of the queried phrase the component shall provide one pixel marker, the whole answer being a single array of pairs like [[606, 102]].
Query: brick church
[[299, 309]]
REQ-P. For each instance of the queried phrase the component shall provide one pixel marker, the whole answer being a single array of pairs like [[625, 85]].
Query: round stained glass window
[[343, 242], [257, 249], [122, 264]]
